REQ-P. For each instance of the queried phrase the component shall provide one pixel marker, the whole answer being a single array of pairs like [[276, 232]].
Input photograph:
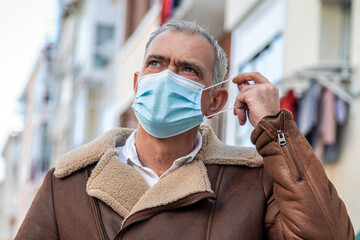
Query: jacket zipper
[[98, 212], [285, 147], [288, 152], [120, 234], [100, 220]]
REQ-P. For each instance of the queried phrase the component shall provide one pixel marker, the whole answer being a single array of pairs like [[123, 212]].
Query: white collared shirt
[[128, 155]]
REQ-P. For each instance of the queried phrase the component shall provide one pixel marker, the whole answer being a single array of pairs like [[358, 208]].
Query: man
[[172, 179]]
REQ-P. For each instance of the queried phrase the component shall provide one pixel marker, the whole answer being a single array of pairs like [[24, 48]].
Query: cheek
[[146, 71], [206, 98], [205, 102]]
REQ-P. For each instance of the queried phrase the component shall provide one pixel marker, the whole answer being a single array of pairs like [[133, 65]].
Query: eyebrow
[[179, 62], [159, 57]]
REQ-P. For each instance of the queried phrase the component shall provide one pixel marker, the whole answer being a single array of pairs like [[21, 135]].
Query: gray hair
[[220, 69]]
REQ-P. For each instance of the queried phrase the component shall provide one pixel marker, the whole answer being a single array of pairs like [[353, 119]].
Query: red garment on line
[[289, 102], [166, 11]]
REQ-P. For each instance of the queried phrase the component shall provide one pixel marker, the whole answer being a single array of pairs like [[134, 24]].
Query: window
[[335, 30], [105, 36], [257, 46], [268, 62], [45, 148]]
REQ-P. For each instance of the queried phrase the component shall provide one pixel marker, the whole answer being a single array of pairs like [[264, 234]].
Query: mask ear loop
[[211, 115], [217, 84]]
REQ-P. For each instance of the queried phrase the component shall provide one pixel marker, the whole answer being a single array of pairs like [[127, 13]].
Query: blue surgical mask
[[167, 104]]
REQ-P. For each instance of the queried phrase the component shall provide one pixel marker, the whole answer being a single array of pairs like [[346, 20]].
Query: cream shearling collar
[[213, 151], [122, 187]]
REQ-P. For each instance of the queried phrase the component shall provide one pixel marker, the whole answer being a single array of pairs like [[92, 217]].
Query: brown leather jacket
[[225, 193]]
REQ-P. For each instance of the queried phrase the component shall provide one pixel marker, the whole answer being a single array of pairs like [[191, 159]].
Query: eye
[[189, 69], [154, 63]]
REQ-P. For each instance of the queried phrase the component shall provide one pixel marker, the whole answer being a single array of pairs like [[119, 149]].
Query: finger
[[246, 87], [240, 109], [252, 76], [265, 89], [241, 114], [240, 105], [243, 85]]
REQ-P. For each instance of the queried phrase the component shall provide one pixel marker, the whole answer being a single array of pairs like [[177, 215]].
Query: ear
[[219, 99], [135, 82]]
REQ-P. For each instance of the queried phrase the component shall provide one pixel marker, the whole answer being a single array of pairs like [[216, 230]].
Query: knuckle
[[272, 87], [258, 74]]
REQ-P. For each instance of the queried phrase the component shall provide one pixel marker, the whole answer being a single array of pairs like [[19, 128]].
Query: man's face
[[188, 55]]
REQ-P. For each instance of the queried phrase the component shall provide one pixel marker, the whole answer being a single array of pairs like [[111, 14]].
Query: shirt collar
[[128, 153]]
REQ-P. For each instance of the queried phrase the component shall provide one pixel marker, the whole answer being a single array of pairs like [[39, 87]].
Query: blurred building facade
[[102, 44], [9, 186], [90, 33], [28, 153]]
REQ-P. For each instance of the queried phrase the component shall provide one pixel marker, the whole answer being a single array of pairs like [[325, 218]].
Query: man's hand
[[257, 100]]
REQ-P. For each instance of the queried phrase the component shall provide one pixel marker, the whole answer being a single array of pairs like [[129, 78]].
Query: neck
[[160, 153]]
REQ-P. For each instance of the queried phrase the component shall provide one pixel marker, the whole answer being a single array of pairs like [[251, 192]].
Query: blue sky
[[25, 26]]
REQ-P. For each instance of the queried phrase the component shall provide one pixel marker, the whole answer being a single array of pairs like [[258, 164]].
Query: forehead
[[187, 46]]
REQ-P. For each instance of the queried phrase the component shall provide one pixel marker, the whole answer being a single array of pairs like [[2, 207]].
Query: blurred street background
[[67, 69]]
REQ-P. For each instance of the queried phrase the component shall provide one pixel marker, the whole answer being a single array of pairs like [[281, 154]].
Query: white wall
[[331, 18], [236, 10], [302, 35]]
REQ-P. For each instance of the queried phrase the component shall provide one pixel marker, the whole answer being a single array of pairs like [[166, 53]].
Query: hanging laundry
[[327, 119], [289, 102], [326, 127], [307, 108], [166, 11], [168, 7], [332, 151], [341, 111], [321, 117]]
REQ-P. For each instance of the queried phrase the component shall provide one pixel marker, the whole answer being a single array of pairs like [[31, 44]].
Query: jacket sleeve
[[40, 222], [303, 203]]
